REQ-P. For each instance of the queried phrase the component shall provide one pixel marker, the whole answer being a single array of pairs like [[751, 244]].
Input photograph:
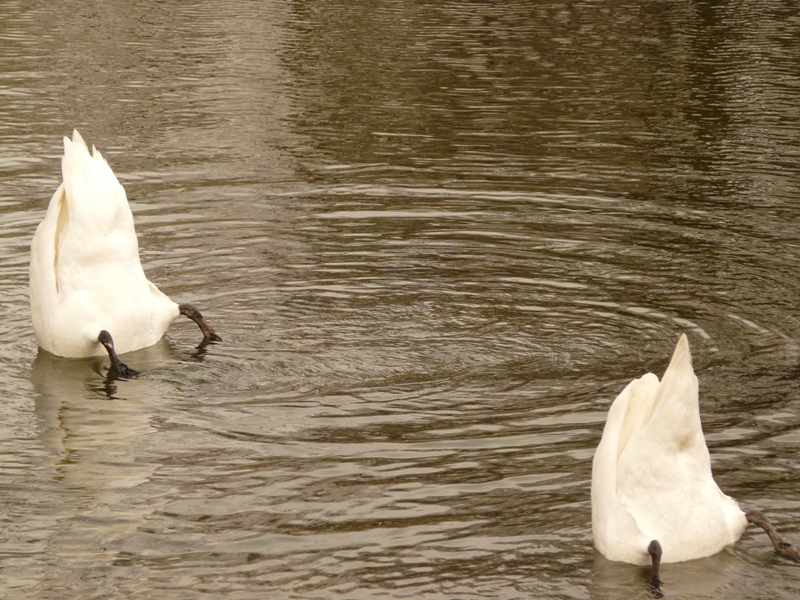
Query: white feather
[[85, 272], [651, 474]]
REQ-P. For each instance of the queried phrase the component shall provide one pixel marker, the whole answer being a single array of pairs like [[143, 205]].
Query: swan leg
[[190, 311], [781, 547], [120, 367], [654, 549]]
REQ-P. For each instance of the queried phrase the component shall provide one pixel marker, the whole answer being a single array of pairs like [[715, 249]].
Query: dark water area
[[437, 239]]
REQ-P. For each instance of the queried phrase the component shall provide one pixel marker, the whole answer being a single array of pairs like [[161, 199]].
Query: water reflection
[[91, 429], [88, 425], [710, 577]]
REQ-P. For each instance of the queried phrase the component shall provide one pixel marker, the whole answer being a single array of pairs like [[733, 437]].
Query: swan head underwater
[[86, 280], [654, 498]]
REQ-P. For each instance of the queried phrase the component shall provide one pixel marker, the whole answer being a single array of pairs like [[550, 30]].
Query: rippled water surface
[[437, 238]]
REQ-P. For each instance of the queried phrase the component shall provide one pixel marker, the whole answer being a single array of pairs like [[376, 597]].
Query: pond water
[[437, 238]]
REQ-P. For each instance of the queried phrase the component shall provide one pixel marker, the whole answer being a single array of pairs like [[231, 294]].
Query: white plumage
[[651, 475], [85, 274]]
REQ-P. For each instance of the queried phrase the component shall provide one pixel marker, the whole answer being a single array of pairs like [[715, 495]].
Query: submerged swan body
[[85, 275], [651, 475]]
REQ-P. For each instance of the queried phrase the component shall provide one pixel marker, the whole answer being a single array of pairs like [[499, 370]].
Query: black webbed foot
[[781, 547], [654, 549], [190, 311], [122, 370]]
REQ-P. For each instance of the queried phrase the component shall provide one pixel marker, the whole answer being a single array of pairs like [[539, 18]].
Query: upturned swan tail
[[676, 403], [95, 198]]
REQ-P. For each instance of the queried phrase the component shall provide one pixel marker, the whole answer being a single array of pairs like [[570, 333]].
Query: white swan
[[653, 496], [86, 281], [651, 476]]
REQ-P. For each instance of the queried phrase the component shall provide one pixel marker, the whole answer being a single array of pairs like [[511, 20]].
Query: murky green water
[[438, 239]]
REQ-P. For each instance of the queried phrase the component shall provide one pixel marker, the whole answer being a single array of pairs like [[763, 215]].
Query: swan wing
[[43, 283], [614, 524]]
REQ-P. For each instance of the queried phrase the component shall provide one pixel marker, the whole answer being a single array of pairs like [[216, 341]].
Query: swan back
[[651, 474], [85, 270]]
